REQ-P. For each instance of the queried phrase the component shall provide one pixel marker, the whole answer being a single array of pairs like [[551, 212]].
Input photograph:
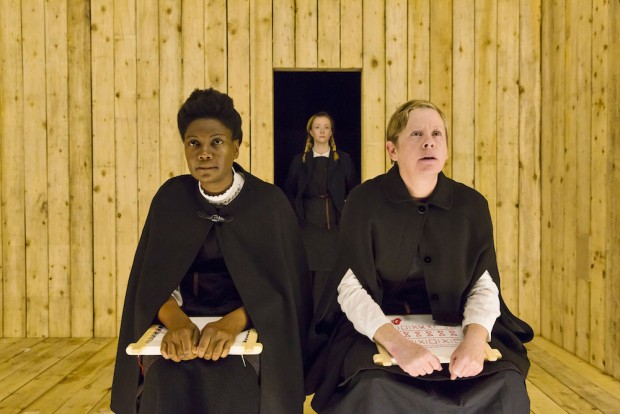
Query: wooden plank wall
[[90, 91]]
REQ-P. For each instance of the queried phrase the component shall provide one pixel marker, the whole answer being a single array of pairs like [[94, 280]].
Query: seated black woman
[[218, 242]]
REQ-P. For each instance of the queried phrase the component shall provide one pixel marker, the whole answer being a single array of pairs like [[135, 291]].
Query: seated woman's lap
[[378, 391], [225, 385]]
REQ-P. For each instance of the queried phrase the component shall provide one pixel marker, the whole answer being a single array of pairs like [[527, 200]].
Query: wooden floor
[[73, 376]]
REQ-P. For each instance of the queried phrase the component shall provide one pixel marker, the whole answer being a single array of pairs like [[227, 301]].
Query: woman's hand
[[182, 336], [467, 359], [217, 337], [414, 359], [179, 343]]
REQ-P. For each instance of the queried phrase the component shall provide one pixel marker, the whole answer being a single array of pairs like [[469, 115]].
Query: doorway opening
[[299, 95]]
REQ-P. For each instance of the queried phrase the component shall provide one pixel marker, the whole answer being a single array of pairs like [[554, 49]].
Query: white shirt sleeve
[[176, 295], [361, 309], [481, 307]]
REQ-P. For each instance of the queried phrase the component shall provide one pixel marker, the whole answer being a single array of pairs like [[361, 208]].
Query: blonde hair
[[398, 120], [310, 140]]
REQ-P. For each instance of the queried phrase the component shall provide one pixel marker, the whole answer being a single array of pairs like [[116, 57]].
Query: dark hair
[[209, 103]]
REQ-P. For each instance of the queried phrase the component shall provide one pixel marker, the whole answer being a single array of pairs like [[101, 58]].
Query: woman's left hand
[[217, 337], [467, 359]]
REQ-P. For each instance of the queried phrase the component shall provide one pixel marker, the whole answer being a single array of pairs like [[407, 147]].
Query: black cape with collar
[[381, 227], [341, 178], [263, 251]]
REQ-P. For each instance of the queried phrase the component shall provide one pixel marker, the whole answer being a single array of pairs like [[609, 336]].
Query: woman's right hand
[[179, 343], [414, 359]]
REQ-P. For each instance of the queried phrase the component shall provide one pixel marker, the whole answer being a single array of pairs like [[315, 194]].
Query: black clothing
[[377, 391], [208, 288], [317, 189], [236, 386], [260, 244], [341, 178], [383, 230]]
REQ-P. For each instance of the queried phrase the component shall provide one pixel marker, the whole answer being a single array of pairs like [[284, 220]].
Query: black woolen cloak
[[263, 251], [381, 228]]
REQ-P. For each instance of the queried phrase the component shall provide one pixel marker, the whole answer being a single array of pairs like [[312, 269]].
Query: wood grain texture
[[74, 375], [13, 184], [37, 202], [328, 34], [529, 164], [351, 25], [396, 64], [373, 91], [462, 130], [508, 144], [91, 90], [71, 312]]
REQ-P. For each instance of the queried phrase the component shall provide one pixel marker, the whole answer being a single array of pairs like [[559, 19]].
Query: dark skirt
[[367, 388], [200, 386], [382, 392]]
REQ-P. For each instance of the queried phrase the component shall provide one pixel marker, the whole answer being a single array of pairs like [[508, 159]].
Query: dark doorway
[[299, 95]]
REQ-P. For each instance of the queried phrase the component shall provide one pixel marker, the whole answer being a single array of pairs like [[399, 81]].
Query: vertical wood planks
[[147, 105], [328, 34], [570, 175], [461, 132], [172, 158], [239, 71], [529, 89], [612, 339], [558, 183], [193, 40], [104, 191], [507, 222], [350, 29], [529, 164], [125, 133], [58, 155], [261, 92], [284, 34], [486, 101], [75, 306], [547, 173], [13, 185], [600, 147], [36, 168], [373, 90], [396, 65], [215, 45], [440, 63], [418, 49], [584, 123], [306, 32]]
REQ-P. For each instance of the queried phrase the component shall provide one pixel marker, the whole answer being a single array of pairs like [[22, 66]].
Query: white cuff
[[176, 295]]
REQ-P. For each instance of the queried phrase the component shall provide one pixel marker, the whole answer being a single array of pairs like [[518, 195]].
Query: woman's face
[[421, 148], [210, 151], [321, 130]]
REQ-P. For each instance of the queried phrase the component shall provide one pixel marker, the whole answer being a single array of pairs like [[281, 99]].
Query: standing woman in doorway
[[317, 184]]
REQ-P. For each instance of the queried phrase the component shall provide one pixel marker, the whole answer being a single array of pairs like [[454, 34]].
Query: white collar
[[227, 196], [316, 154]]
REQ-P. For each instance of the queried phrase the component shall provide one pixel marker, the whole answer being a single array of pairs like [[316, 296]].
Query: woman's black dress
[[317, 189], [211, 386]]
